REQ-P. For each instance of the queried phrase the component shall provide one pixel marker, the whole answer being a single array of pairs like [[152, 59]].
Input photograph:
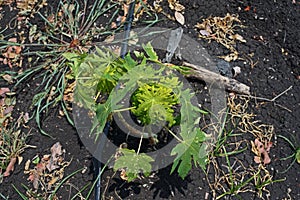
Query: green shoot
[[153, 103], [295, 155]]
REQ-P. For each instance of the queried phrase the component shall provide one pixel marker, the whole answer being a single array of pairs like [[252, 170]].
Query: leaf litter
[[261, 151], [251, 177], [12, 54], [48, 170], [140, 8], [176, 7], [12, 139], [7, 103], [223, 31]]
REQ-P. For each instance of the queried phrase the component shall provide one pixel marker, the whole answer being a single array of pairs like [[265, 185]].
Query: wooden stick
[[211, 77]]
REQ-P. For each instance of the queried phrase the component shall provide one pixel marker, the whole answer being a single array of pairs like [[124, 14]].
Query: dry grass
[[228, 173]]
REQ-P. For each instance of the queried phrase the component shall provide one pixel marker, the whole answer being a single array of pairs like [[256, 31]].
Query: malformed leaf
[[133, 163]]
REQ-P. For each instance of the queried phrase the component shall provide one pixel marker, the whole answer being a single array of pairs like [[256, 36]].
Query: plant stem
[[140, 144]]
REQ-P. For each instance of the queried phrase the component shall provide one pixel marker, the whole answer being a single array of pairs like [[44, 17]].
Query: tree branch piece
[[211, 77]]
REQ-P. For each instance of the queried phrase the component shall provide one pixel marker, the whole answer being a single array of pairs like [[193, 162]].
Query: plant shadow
[[162, 185], [168, 184]]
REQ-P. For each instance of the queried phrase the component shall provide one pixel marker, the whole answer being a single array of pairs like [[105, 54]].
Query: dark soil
[[272, 34]]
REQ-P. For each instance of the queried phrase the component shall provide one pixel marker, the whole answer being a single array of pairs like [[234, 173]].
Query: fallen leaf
[[3, 91], [74, 43], [204, 33], [10, 167], [257, 159], [31, 176], [175, 5], [113, 25], [20, 159], [268, 146], [125, 9], [8, 78], [236, 71], [12, 40], [26, 117], [27, 164], [40, 167], [247, 8], [34, 178], [56, 152], [123, 175], [109, 39], [237, 37], [52, 181], [179, 7], [36, 173], [179, 17], [261, 151], [266, 158], [259, 146], [230, 57], [18, 49], [8, 110]]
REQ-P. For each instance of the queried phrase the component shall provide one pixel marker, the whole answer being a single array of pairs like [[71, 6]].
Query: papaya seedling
[[156, 93]]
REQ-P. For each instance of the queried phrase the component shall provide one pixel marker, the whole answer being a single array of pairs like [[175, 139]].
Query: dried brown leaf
[[113, 25], [261, 151], [109, 39], [123, 175], [175, 5], [52, 182], [34, 177], [20, 159], [8, 78], [204, 33], [237, 37], [40, 167], [4, 91], [266, 157], [178, 7], [27, 164], [179, 17], [230, 57], [257, 159], [56, 152], [8, 110], [268, 145], [236, 70], [12, 40], [125, 9], [10, 167], [26, 117]]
